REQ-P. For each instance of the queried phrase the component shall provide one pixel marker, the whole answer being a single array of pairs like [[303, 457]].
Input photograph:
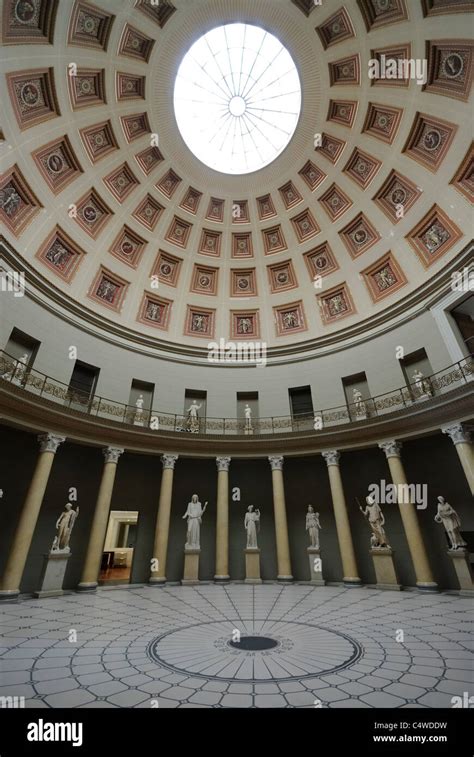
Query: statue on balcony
[[251, 525], [194, 514], [376, 520], [248, 418], [64, 526], [138, 420], [359, 403], [422, 385], [313, 526], [451, 521], [192, 422]]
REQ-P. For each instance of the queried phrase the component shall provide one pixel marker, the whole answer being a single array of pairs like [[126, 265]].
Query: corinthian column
[[424, 576], [90, 573], [160, 549], [462, 441], [11, 579], [343, 528], [281, 525], [222, 522]]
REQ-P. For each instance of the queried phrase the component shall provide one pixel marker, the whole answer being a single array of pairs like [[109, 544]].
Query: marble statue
[[376, 519], [251, 524], [313, 526], [193, 417], [452, 523], [194, 514], [64, 526], [421, 384], [138, 421], [248, 417], [359, 402]]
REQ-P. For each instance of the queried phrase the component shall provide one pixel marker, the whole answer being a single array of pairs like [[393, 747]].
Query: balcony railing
[[423, 391]]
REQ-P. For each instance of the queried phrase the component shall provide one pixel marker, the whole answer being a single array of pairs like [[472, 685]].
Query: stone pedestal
[[52, 576], [361, 416], [248, 431], [252, 566], [462, 566], [191, 567], [385, 569], [315, 567]]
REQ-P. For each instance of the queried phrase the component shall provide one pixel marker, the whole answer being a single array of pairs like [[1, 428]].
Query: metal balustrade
[[41, 385]]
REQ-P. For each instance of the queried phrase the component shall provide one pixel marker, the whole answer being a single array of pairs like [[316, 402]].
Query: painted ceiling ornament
[[10, 200]]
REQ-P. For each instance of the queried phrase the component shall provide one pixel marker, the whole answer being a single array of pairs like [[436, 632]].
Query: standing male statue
[[376, 519], [64, 526], [451, 521]]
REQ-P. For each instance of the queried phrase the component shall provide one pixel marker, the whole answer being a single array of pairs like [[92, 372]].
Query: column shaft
[[160, 549], [466, 456], [424, 575], [222, 525], [10, 584], [90, 572], [281, 524], [343, 528]]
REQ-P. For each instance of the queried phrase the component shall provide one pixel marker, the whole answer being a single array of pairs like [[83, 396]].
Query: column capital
[[112, 454], [168, 461], [392, 448], [50, 442], [276, 462], [457, 433], [331, 456], [223, 463]]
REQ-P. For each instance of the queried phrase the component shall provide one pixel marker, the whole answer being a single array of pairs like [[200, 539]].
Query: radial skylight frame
[[237, 98]]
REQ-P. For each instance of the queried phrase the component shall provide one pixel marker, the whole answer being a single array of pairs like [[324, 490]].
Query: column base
[[52, 593], [92, 586], [285, 579], [221, 579], [157, 580], [462, 566], [252, 566], [427, 588], [351, 583], [385, 569], [9, 595]]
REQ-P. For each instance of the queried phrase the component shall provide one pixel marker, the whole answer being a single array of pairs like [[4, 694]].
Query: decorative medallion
[[148, 159], [191, 200], [204, 280], [135, 44], [245, 324], [87, 87], [121, 182], [242, 245], [273, 240], [433, 236], [57, 163], [429, 140], [320, 261], [266, 208], [240, 211], [210, 243], [331, 148], [135, 126], [28, 21], [281, 276], [128, 247], [90, 26], [61, 254], [168, 183], [18, 204], [148, 212], [91, 213], [130, 86], [384, 277], [450, 68], [215, 211], [345, 71], [362, 167], [342, 112], [99, 140], [167, 268], [33, 96], [336, 28], [290, 195], [382, 122], [305, 226], [392, 56], [359, 235], [396, 196], [335, 202], [243, 282], [178, 232], [312, 175], [378, 13], [108, 289]]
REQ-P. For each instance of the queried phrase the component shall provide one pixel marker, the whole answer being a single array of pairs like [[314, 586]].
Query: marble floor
[[238, 646]]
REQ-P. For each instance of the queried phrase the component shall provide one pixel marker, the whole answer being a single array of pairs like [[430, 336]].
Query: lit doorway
[[119, 546]]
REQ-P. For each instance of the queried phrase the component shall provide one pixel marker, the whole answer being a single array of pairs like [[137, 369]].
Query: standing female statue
[[194, 514], [313, 526], [251, 524]]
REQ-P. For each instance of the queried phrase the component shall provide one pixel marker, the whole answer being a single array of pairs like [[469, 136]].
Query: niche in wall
[[301, 407], [82, 383], [463, 317], [250, 399], [20, 344], [194, 397], [357, 394], [141, 391], [412, 365]]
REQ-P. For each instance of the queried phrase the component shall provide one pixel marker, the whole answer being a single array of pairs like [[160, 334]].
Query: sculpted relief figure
[[194, 514], [64, 526], [376, 520], [252, 524], [448, 516], [313, 526]]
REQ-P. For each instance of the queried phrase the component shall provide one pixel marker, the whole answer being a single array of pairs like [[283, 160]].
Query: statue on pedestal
[[448, 516], [193, 417], [64, 526], [194, 514], [313, 526], [376, 519], [251, 524], [138, 420]]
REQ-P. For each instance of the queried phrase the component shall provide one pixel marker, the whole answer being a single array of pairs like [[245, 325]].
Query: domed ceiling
[[102, 197]]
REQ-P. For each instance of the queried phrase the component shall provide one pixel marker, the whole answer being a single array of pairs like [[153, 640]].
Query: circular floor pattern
[[300, 650], [93, 650]]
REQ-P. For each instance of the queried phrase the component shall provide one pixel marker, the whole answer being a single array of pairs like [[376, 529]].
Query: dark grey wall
[[432, 461]]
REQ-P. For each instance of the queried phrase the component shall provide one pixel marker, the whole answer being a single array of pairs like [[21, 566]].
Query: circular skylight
[[237, 98]]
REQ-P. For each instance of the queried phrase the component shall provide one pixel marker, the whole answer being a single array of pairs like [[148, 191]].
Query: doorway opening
[[119, 547]]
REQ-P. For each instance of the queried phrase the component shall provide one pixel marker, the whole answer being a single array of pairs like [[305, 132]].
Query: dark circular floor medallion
[[254, 643], [267, 651]]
